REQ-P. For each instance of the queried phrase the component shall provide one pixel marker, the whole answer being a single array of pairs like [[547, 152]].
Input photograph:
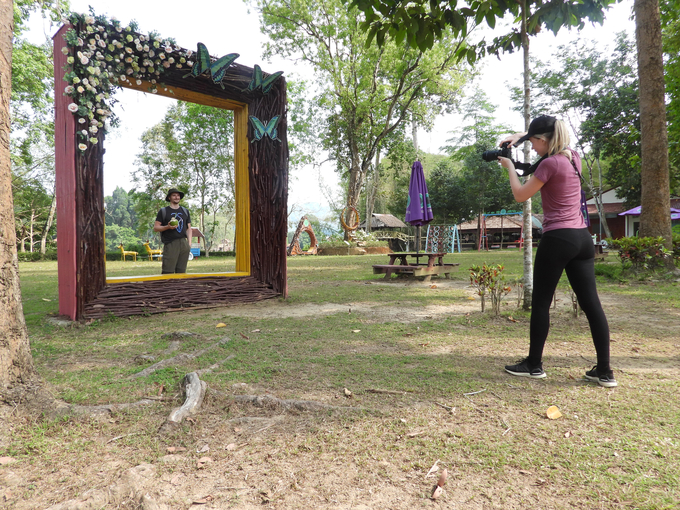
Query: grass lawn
[[425, 370]]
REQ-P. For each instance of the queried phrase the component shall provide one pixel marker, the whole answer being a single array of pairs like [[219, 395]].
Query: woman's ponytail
[[559, 142]]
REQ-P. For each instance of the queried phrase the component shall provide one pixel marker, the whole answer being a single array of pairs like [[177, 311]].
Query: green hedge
[[36, 256]]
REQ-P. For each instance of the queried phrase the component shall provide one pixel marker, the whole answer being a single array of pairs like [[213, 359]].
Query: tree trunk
[[526, 207], [370, 196], [48, 226], [655, 218], [31, 234], [16, 363]]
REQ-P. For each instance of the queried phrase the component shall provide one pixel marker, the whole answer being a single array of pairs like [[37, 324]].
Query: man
[[174, 224]]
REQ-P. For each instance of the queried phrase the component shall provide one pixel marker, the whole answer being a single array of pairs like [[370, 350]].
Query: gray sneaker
[[605, 379], [522, 369]]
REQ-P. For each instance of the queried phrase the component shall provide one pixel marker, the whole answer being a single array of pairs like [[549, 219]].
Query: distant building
[[383, 222], [502, 230]]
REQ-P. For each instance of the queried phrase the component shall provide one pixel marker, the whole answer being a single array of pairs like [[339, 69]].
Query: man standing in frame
[[174, 224]]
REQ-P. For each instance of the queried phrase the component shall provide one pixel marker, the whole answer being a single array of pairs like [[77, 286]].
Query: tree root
[[270, 402], [178, 360], [194, 389]]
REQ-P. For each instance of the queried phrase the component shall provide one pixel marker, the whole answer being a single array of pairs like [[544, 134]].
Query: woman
[[566, 244]]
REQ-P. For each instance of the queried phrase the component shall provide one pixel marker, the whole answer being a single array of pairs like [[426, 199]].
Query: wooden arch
[[261, 164], [304, 227]]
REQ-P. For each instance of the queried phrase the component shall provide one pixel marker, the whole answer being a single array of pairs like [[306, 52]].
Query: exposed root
[[270, 402], [194, 389], [178, 360]]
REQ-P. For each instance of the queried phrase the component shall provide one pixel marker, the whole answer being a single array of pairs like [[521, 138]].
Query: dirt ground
[[260, 457]]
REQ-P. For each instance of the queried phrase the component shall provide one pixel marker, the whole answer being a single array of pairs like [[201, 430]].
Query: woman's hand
[[506, 163], [512, 138]]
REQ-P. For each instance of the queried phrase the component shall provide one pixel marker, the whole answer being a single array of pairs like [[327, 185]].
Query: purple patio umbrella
[[636, 211], [418, 208]]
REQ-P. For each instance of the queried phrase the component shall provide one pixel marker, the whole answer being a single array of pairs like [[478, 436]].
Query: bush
[[490, 280], [219, 253], [36, 256], [642, 253]]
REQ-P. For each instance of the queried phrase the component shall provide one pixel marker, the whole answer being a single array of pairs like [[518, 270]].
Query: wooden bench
[[416, 270]]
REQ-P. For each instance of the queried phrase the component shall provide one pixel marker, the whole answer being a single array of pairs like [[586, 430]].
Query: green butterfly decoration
[[259, 83], [260, 130], [217, 69]]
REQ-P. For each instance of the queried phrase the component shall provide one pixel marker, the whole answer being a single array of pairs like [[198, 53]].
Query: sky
[[228, 27]]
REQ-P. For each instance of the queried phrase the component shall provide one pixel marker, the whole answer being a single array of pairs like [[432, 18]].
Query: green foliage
[[480, 186], [423, 22], [598, 92], [32, 204], [671, 46], [642, 253], [491, 280], [37, 256], [364, 94], [120, 210], [117, 235]]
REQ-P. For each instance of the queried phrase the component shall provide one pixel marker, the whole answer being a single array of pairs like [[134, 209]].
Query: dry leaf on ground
[[553, 413]]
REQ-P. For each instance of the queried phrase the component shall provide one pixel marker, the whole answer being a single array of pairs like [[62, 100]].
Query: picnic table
[[402, 263]]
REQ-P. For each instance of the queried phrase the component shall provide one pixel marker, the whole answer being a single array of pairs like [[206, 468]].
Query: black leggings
[[571, 250]]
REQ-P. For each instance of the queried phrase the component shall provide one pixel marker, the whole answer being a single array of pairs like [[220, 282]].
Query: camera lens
[[491, 155]]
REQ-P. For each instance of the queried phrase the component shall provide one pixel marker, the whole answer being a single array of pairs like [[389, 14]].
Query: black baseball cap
[[539, 126], [171, 191]]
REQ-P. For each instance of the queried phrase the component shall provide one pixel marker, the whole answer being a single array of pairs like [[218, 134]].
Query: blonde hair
[[558, 141]]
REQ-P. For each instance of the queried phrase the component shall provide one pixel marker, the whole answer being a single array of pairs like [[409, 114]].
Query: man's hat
[[171, 191], [539, 126]]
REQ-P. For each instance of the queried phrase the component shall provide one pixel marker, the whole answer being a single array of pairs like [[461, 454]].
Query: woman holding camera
[[566, 244]]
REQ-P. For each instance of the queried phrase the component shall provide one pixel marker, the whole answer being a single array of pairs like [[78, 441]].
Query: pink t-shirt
[[561, 192]]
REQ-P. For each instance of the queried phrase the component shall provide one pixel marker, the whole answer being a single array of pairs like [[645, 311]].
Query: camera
[[505, 152]]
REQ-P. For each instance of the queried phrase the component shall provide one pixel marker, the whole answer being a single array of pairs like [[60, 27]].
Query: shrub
[[490, 280], [36, 256], [641, 253]]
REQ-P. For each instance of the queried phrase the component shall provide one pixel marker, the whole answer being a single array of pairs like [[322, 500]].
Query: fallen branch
[[178, 360], [475, 392]]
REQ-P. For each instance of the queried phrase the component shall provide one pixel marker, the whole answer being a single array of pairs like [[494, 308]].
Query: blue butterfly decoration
[[260, 130], [217, 69], [265, 84]]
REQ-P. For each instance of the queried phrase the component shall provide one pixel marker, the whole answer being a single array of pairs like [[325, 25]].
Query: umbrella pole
[[418, 239]]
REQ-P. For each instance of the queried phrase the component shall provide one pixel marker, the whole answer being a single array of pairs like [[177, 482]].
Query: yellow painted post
[[242, 181]]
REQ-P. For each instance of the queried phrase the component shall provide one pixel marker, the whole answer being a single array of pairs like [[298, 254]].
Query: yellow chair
[[133, 254], [151, 253]]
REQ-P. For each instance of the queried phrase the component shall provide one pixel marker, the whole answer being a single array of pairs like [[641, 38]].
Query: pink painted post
[[64, 159]]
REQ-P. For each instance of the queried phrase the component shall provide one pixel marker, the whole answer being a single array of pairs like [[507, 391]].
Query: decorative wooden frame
[[261, 187]]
